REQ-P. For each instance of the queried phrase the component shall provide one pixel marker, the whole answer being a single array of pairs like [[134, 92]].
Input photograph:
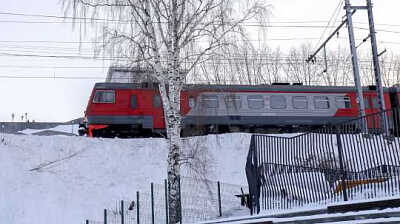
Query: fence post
[[252, 174], [152, 203], [180, 199], [219, 199], [137, 207], [122, 212], [340, 152], [166, 201], [105, 216]]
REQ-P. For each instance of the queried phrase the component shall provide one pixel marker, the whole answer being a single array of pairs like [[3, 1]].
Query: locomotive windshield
[[104, 96]]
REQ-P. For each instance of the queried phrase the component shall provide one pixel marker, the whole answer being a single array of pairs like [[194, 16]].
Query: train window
[[156, 101], [300, 102], [192, 102], [255, 102], [278, 102], [104, 96], [233, 102], [343, 102], [321, 102], [133, 101], [209, 101]]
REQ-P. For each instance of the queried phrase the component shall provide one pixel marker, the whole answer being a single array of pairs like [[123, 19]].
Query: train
[[117, 109]]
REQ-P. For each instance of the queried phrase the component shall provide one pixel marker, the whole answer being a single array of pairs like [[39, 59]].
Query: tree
[[390, 69], [170, 37], [298, 70], [339, 71]]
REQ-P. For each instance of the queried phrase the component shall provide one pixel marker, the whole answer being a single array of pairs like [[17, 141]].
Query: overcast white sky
[[59, 99]]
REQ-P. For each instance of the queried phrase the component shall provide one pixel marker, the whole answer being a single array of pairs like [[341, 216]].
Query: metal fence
[[200, 200], [338, 163]]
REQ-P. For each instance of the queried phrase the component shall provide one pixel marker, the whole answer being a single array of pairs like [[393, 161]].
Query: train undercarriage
[[137, 131]]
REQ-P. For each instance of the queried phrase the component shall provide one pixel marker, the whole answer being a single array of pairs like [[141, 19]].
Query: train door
[[157, 111], [371, 110], [395, 105]]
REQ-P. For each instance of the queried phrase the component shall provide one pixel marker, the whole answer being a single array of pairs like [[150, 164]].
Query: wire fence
[[358, 159], [200, 200]]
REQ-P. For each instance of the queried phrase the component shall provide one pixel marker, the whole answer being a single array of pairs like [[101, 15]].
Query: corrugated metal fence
[[337, 163]]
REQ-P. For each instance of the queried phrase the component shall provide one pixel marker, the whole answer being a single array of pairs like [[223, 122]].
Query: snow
[[75, 188], [238, 218], [60, 179], [380, 220], [347, 214], [298, 217], [82, 176], [364, 200], [70, 129]]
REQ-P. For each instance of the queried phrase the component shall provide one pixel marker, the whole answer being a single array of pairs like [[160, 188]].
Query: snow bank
[[69, 129], [62, 180]]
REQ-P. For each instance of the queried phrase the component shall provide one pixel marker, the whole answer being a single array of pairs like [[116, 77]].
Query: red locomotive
[[118, 109]]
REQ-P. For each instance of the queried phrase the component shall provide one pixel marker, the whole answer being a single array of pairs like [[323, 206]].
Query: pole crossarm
[[364, 40], [380, 54], [328, 39]]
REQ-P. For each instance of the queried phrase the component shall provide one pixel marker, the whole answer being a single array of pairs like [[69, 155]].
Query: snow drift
[[62, 180]]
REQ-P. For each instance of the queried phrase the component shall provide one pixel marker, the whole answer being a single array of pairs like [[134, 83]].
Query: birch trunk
[[170, 94]]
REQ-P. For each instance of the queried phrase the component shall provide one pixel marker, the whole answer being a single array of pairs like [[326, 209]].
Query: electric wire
[[244, 23], [96, 42], [128, 21], [335, 12]]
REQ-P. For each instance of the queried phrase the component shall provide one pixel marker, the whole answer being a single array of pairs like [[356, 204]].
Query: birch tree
[[298, 70], [170, 37], [390, 69]]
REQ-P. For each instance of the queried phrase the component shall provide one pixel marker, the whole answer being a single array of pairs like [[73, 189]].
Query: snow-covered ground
[[60, 179], [309, 218], [63, 180], [70, 129]]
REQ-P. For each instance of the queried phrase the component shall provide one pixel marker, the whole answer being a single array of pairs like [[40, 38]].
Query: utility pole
[[356, 71], [350, 10], [377, 70]]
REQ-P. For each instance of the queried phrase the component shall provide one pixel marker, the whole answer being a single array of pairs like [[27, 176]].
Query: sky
[[46, 88]]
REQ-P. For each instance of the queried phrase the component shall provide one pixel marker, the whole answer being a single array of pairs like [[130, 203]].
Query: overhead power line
[[99, 42], [312, 57], [335, 13], [62, 56], [50, 77], [128, 21], [247, 25], [58, 17], [124, 21], [378, 30], [53, 67], [257, 57]]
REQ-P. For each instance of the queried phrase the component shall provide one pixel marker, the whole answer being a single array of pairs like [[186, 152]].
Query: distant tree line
[[248, 65]]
